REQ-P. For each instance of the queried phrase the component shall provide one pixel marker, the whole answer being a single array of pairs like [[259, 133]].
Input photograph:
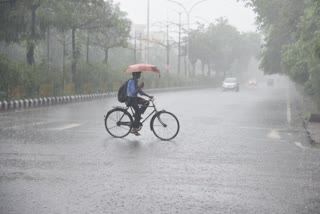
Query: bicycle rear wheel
[[165, 125], [118, 123]]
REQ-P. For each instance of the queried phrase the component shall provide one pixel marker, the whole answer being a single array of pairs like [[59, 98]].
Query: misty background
[[66, 47]]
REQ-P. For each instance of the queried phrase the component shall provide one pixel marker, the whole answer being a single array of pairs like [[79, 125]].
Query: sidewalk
[[312, 126]]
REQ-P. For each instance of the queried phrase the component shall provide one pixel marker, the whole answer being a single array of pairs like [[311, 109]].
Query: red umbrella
[[142, 68]]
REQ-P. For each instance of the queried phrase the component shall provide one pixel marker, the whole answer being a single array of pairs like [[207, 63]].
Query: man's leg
[[144, 104], [137, 114]]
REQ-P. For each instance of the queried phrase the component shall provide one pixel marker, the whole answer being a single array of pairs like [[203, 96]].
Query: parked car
[[230, 84]]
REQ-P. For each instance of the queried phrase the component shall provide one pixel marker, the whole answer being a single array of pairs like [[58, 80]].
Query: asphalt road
[[237, 152]]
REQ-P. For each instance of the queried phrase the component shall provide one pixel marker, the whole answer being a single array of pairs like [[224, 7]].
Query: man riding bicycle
[[133, 89]]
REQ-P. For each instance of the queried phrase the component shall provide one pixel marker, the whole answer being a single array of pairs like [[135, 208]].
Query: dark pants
[[139, 105]]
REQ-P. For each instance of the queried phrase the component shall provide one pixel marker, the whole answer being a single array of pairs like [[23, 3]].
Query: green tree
[[278, 20], [301, 58], [24, 22], [77, 16], [292, 40], [113, 33]]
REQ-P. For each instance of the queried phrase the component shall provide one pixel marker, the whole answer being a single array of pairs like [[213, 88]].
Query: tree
[[292, 40], [301, 58], [114, 33], [24, 22], [278, 20], [220, 45], [81, 15], [247, 48]]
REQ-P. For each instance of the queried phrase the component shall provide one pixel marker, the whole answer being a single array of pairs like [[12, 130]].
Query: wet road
[[244, 152]]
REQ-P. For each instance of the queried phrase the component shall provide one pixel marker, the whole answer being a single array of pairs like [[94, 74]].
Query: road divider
[[48, 101]]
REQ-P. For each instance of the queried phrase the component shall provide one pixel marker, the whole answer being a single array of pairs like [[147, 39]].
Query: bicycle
[[164, 125]]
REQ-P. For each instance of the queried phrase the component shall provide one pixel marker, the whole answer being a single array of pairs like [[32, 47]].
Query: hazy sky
[[208, 11]]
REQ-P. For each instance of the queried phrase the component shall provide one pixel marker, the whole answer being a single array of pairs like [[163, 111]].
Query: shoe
[[137, 134], [135, 131], [140, 127]]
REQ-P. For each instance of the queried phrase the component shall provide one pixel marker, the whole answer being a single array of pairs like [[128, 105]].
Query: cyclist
[[133, 89]]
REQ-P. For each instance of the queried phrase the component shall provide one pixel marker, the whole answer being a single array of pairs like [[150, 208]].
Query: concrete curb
[[48, 101]]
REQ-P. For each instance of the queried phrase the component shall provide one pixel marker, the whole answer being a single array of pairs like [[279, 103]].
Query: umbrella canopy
[[142, 68]]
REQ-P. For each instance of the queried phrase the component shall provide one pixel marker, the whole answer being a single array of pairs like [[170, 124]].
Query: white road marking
[[69, 126], [274, 134], [266, 139], [87, 131], [259, 128], [26, 125], [29, 109], [298, 144]]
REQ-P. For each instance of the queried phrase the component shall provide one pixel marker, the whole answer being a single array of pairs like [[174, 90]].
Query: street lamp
[[188, 23], [207, 21], [148, 26]]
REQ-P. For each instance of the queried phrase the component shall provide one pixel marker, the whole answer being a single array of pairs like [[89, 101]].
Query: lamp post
[[188, 24], [148, 26], [207, 21]]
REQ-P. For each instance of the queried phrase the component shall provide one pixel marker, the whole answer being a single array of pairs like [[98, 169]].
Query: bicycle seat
[[121, 107]]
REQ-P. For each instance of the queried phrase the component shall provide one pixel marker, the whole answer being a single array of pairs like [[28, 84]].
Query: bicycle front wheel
[[118, 123], [165, 125]]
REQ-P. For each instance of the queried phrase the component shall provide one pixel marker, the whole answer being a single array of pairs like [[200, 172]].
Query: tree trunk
[[74, 60], [193, 72], [179, 44], [185, 65], [30, 53], [63, 62], [202, 68], [106, 55], [168, 50], [48, 49], [209, 70], [31, 40], [168, 57], [135, 49], [88, 45]]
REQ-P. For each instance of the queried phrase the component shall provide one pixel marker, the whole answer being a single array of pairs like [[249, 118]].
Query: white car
[[230, 84]]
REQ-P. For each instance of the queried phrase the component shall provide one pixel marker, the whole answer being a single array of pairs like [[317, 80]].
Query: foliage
[[113, 33], [55, 35], [24, 22], [16, 76], [292, 40], [278, 20], [220, 45]]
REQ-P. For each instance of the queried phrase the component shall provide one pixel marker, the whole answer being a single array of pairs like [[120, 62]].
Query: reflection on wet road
[[237, 152]]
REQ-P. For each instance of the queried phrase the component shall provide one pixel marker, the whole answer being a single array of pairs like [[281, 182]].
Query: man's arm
[[142, 92]]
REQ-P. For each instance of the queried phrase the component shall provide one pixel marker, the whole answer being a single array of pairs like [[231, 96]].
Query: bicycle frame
[[151, 105]]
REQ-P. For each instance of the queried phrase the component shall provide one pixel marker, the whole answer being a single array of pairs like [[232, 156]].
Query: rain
[[218, 112]]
